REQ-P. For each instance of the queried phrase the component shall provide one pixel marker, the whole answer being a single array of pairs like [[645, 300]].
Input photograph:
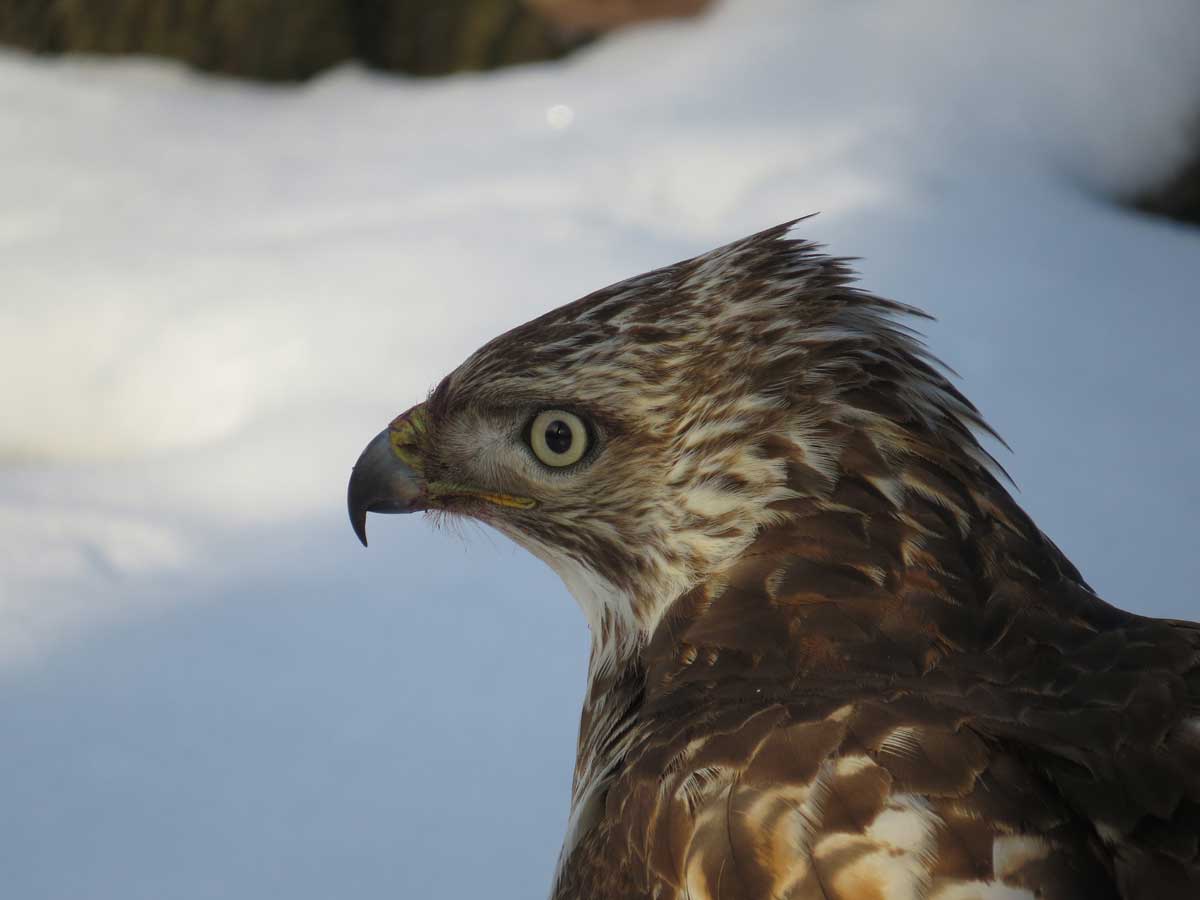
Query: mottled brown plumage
[[832, 658]]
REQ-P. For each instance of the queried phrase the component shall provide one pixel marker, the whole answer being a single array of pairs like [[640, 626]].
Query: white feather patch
[[908, 825], [893, 858], [980, 890], [1010, 852]]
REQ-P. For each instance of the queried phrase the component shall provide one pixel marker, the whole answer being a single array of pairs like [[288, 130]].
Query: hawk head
[[641, 438]]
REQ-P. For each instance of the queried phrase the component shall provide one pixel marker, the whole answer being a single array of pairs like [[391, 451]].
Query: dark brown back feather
[[888, 699]]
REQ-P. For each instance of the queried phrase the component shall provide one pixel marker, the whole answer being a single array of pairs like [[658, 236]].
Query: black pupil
[[558, 437]]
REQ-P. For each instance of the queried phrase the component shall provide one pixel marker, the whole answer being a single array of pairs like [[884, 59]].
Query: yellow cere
[[405, 436]]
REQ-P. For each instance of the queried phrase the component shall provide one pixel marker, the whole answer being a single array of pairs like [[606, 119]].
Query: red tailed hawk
[[831, 657]]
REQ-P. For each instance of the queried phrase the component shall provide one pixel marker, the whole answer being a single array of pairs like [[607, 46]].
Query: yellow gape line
[[508, 500], [440, 490]]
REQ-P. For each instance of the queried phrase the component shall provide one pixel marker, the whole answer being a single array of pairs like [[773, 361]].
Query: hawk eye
[[558, 438]]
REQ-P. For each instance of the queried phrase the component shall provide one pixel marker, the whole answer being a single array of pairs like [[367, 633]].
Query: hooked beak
[[386, 478], [389, 477]]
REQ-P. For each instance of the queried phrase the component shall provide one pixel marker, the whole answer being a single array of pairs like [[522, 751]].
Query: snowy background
[[212, 294]]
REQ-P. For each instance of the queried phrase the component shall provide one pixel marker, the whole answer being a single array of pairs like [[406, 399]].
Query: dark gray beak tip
[[382, 483], [358, 515]]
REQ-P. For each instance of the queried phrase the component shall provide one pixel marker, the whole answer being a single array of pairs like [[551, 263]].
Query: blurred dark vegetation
[[1178, 197], [295, 39], [287, 40]]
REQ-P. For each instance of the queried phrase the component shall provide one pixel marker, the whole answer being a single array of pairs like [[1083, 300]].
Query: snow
[[213, 294]]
